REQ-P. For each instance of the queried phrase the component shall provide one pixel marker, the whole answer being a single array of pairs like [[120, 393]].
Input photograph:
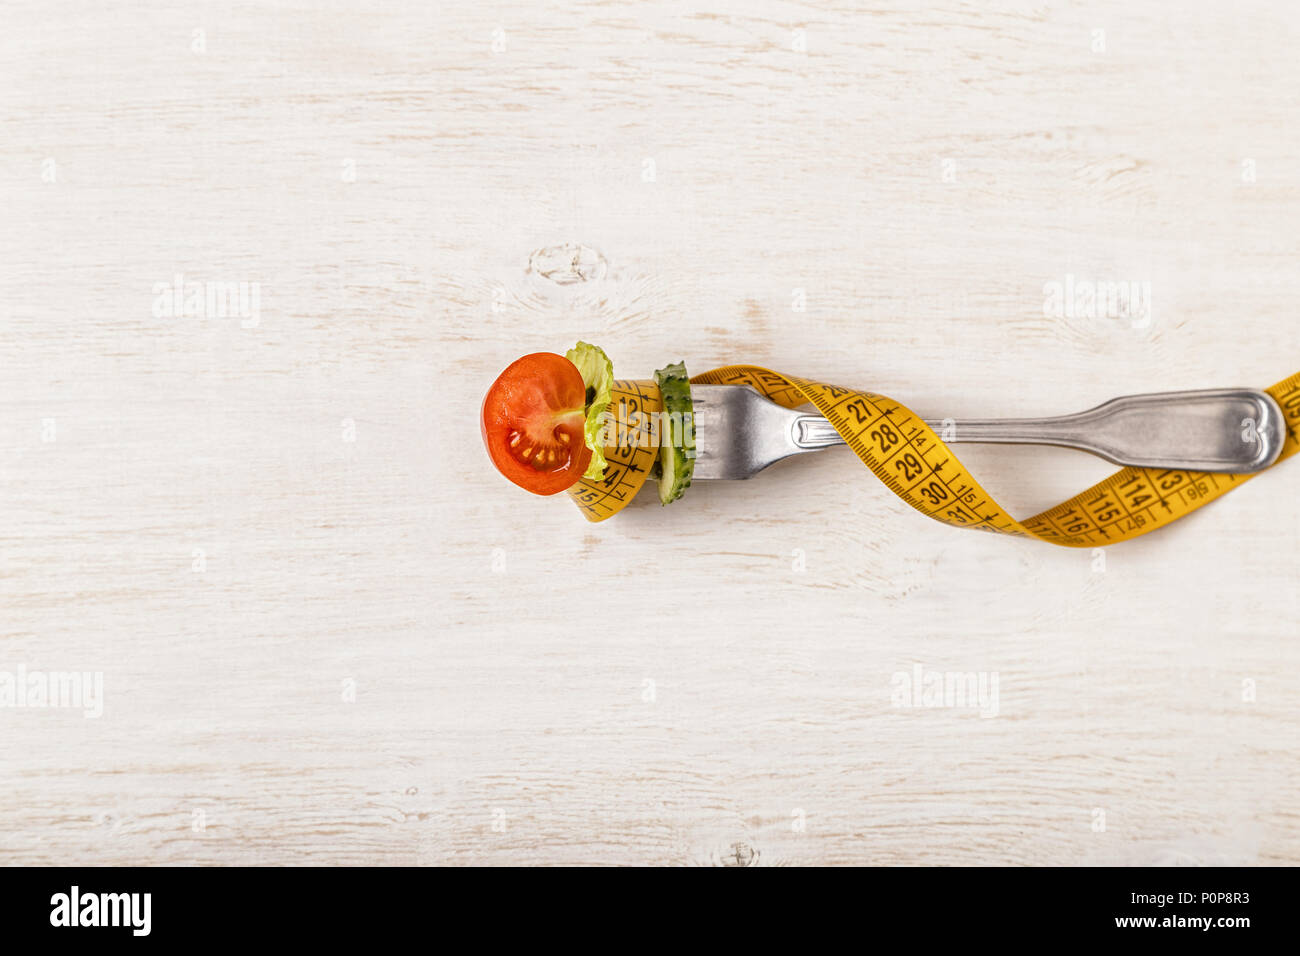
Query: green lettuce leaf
[[598, 375]]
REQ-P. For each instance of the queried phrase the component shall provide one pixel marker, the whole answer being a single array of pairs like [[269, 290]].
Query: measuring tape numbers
[[912, 461]]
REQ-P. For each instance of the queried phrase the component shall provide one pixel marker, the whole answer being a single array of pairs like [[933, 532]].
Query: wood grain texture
[[914, 176]]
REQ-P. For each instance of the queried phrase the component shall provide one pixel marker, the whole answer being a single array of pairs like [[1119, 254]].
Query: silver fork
[[738, 432]]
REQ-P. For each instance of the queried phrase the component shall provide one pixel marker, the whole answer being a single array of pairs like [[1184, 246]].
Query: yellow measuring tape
[[905, 453]]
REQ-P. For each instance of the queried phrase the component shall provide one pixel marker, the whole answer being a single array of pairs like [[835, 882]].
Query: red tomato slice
[[533, 423]]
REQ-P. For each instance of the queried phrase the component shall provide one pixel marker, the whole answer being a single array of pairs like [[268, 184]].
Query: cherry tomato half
[[533, 423]]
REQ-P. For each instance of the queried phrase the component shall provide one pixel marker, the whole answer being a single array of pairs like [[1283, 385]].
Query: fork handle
[[1232, 430]]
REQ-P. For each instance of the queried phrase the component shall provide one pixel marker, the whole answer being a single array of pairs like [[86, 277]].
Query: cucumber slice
[[676, 433]]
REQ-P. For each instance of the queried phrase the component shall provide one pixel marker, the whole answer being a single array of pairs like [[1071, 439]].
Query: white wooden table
[[328, 632]]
